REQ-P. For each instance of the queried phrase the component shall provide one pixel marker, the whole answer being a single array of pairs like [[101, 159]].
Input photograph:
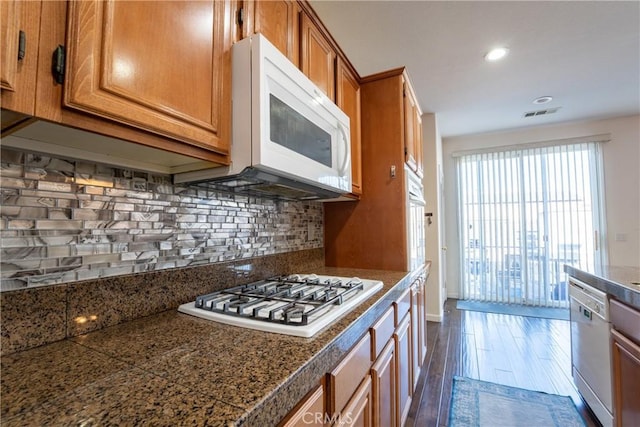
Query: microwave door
[[302, 132]]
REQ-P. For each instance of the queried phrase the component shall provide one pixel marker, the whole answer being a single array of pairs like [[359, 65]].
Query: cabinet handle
[[241, 16], [22, 45], [347, 153], [58, 64]]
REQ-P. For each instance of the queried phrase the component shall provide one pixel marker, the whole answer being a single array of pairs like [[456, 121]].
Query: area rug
[[516, 309], [484, 404]]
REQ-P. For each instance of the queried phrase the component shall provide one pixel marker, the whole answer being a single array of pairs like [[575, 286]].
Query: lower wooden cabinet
[[309, 412], [346, 377], [418, 327], [625, 362], [383, 376], [358, 410], [404, 379], [373, 385]]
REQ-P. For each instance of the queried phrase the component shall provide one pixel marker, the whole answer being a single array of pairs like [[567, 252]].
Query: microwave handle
[[347, 154]]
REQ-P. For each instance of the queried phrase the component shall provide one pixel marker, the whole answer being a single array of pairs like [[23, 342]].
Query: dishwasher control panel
[[590, 299]]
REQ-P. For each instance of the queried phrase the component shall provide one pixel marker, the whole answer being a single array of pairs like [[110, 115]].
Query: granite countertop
[[175, 369], [620, 282]]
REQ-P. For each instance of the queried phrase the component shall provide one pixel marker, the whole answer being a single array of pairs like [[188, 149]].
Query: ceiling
[[584, 54]]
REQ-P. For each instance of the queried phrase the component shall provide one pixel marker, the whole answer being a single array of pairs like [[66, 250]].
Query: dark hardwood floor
[[518, 351]]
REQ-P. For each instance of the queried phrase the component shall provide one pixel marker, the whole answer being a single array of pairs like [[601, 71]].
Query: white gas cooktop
[[299, 305]]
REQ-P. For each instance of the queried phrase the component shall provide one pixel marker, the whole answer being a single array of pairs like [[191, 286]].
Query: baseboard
[[434, 318]]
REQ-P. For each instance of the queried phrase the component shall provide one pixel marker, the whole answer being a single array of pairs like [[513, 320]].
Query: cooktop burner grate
[[284, 299]]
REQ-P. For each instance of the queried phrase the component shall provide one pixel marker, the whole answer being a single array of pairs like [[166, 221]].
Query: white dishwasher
[[590, 348]]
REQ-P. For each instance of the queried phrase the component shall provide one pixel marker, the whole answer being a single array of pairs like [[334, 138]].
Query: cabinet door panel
[[422, 323], [357, 412], [418, 144], [625, 355], [310, 412], [348, 99], [9, 27], [402, 339], [383, 376], [344, 379], [409, 128], [317, 57], [415, 335], [278, 21], [166, 73], [18, 76]]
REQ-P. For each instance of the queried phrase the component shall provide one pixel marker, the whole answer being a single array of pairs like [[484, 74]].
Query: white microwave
[[289, 139]]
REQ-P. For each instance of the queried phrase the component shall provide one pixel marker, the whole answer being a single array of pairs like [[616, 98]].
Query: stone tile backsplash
[[65, 221]]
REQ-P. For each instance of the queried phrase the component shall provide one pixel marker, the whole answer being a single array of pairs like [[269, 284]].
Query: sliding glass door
[[523, 214]]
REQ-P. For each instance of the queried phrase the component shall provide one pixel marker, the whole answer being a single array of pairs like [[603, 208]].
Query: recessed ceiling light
[[496, 54], [543, 99]]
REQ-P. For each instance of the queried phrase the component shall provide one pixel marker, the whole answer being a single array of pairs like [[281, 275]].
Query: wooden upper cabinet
[[419, 145], [278, 21], [348, 99], [9, 30], [18, 71], [412, 129], [317, 56], [159, 66]]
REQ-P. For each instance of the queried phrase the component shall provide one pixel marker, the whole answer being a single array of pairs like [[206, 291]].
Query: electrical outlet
[[621, 237]]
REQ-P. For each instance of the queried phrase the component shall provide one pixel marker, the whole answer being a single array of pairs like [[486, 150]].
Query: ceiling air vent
[[541, 112]]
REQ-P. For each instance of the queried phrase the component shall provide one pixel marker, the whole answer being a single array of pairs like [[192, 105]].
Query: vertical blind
[[523, 215]]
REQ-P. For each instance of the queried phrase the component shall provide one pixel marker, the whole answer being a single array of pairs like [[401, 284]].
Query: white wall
[[621, 183], [436, 285]]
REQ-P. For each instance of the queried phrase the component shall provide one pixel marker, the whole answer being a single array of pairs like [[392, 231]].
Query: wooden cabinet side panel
[[377, 222], [348, 99], [18, 77]]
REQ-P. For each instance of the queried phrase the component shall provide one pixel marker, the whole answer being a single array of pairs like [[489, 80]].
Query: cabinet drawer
[[310, 411], [382, 331], [402, 305], [346, 377], [625, 319]]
